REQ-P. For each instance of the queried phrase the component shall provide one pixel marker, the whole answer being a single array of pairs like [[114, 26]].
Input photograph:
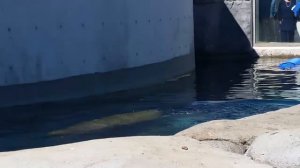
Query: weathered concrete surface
[[279, 149], [50, 40], [226, 146], [241, 10], [134, 152], [58, 50], [245, 130], [277, 50], [223, 29]]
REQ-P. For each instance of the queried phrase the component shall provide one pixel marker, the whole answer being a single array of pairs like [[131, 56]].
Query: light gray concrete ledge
[[131, 152], [243, 132], [286, 51]]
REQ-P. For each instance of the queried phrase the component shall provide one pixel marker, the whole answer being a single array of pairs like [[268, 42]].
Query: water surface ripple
[[216, 90]]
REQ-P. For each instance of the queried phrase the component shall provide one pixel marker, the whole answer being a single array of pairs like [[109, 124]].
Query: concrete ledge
[[244, 131], [288, 51], [131, 152]]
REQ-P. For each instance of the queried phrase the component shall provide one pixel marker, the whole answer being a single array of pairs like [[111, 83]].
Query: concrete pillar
[[223, 29]]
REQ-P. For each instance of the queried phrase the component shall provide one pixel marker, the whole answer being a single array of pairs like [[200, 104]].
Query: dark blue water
[[216, 90]]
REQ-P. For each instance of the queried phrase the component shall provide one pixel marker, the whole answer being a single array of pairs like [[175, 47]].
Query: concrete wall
[[241, 10], [43, 40], [223, 29]]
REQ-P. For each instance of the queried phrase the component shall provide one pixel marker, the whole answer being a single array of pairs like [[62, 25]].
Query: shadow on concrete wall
[[216, 78], [217, 33]]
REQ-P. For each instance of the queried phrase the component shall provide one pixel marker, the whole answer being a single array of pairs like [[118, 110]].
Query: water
[[216, 90]]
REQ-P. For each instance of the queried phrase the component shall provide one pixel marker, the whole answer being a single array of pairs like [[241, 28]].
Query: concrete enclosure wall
[[241, 10], [42, 40], [223, 28]]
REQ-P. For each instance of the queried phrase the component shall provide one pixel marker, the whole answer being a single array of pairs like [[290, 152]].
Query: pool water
[[216, 90]]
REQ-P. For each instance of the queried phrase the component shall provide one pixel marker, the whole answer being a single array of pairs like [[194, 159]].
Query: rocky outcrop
[[276, 136], [244, 131], [133, 152], [279, 149]]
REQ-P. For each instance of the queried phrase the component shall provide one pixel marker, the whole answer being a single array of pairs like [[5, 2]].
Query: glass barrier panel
[[277, 21]]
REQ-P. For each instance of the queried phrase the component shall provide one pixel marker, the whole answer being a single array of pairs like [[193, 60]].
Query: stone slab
[[244, 131], [281, 149], [131, 152], [289, 51]]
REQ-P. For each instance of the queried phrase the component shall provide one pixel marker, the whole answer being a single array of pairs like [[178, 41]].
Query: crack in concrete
[[243, 144]]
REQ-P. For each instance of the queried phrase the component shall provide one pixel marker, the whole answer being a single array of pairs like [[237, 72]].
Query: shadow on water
[[217, 90], [215, 77]]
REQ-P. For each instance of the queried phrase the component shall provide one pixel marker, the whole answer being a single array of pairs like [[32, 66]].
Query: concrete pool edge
[[226, 140], [277, 51], [96, 83]]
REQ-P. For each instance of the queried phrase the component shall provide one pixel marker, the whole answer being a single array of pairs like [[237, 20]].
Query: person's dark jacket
[[286, 16], [274, 8]]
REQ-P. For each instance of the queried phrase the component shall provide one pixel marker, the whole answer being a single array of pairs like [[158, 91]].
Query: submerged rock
[[108, 122]]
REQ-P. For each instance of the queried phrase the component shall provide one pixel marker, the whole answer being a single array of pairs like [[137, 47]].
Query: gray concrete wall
[[223, 29], [44, 40], [241, 10], [98, 84]]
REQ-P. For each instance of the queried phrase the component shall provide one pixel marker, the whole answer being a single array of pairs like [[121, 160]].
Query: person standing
[[265, 22], [287, 20], [274, 25], [274, 8], [296, 10]]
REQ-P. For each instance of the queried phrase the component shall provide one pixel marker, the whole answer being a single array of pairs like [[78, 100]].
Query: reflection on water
[[266, 81], [272, 83], [240, 80], [215, 79], [217, 90]]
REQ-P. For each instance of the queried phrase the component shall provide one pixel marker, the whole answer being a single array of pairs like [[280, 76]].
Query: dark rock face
[[223, 28]]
